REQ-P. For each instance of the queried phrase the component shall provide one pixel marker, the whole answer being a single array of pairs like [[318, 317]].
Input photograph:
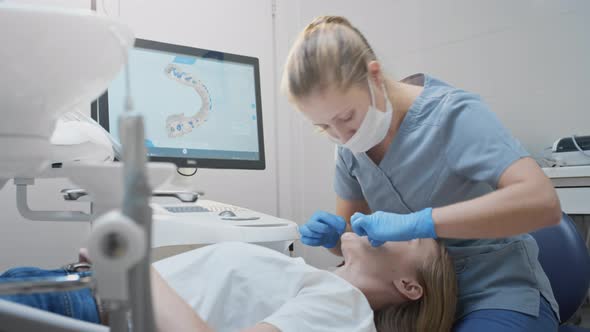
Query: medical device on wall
[[202, 108], [571, 151]]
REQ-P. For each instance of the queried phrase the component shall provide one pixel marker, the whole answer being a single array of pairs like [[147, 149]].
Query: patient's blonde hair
[[435, 310], [330, 52]]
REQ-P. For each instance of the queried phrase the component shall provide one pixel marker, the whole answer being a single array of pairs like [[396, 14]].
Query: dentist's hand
[[322, 229], [384, 226]]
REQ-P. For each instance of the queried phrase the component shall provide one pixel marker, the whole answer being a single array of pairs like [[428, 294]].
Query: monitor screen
[[201, 108]]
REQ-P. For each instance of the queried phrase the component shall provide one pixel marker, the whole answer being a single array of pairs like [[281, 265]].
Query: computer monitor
[[201, 108]]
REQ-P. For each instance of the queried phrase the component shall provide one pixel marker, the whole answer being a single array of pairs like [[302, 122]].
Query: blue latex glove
[[384, 226], [322, 229]]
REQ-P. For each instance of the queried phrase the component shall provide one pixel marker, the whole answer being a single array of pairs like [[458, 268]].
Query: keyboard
[[186, 209], [196, 208]]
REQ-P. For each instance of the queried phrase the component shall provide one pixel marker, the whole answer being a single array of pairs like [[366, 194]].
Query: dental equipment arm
[[25, 211], [46, 285], [19, 317], [120, 242], [136, 207], [183, 196]]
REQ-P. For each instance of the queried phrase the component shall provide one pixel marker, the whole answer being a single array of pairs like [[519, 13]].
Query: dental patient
[[409, 286]]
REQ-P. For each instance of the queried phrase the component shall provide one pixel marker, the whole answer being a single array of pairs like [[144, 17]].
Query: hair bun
[[328, 19]]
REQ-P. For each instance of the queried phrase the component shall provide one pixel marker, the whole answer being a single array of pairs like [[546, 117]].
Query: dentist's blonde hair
[[330, 52]]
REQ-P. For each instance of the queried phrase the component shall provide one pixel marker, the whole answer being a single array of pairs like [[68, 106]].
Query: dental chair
[[564, 257]]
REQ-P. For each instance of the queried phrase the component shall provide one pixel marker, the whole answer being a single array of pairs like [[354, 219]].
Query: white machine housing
[[567, 152]]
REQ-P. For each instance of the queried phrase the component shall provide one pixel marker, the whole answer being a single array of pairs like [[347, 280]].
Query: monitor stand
[[186, 171]]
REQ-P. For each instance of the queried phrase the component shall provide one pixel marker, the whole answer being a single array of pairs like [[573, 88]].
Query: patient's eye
[[348, 116]]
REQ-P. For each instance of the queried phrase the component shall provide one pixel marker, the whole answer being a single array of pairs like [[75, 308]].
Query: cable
[[587, 154], [128, 99], [104, 8], [546, 157]]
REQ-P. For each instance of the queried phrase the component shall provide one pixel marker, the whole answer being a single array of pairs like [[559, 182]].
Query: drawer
[[574, 200]]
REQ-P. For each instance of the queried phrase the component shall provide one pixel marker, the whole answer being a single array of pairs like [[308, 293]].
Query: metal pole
[[136, 207], [46, 285]]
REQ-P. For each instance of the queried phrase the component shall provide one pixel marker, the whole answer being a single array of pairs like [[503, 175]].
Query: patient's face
[[385, 274]]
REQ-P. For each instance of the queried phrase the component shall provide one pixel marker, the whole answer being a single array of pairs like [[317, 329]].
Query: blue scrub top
[[450, 148]]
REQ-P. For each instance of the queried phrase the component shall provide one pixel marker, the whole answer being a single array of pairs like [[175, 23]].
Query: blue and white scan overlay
[[193, 106]]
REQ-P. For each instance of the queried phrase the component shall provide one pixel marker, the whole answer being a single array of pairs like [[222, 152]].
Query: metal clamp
[[77, 267], [46, 285], [25, 211], [73, 194]]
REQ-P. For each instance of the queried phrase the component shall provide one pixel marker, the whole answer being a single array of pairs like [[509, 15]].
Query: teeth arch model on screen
[[178, 124]]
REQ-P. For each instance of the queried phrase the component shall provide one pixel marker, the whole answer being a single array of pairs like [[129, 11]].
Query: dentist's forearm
[[518, 208]]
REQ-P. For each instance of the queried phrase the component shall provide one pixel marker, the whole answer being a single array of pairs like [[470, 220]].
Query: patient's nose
[[349, 236]]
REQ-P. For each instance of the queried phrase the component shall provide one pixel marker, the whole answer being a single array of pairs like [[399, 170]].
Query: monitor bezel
[[100, 107]]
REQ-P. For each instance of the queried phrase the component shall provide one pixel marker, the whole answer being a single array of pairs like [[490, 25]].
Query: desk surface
[[567, 172], [573, 187], [208, 227]]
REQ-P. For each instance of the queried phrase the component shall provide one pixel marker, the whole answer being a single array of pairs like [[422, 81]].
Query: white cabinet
[[573, 187]]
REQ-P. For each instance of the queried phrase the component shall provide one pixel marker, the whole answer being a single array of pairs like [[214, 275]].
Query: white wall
[[528, 59]]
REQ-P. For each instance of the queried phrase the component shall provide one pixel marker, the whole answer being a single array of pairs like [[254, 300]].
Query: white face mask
[[374, 127]]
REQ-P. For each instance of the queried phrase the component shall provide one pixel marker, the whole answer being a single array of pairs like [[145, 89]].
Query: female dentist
[[421, 159]]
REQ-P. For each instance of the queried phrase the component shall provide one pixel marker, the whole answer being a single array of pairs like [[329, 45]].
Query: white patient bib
[[237, 285]]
